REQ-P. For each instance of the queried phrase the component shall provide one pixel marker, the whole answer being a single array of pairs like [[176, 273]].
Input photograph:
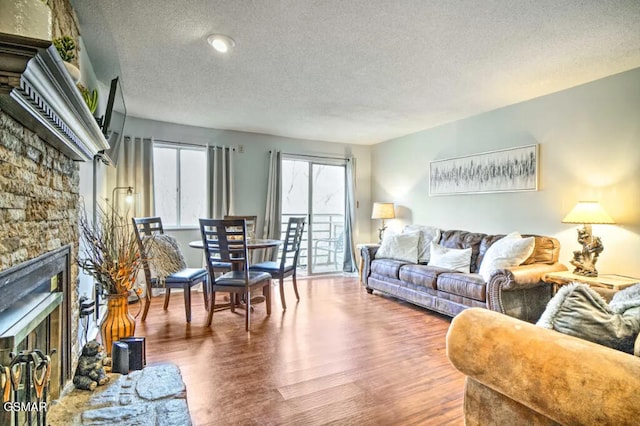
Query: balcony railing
[[327, 245]]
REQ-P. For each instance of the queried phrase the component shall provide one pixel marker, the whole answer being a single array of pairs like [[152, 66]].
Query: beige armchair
[[522, 374]]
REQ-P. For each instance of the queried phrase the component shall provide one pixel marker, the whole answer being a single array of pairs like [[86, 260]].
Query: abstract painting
[[506, 170]]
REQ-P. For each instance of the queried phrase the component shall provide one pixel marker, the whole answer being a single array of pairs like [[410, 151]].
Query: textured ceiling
[[356, 71]]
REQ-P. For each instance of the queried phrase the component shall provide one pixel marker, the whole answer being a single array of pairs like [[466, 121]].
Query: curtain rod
[[312, 156], [190, 144]]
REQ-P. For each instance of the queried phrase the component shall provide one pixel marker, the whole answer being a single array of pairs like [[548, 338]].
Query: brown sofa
[[518, 291], [521, 374]]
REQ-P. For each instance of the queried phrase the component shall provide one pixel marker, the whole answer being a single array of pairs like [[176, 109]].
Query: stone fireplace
[[45, 129], [35, 325]]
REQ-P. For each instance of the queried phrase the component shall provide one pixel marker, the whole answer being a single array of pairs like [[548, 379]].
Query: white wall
[[251, 168], [85, 282], [589, 140]]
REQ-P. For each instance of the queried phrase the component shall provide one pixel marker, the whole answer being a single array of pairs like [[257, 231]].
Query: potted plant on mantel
[[66, 47], [109, 253]]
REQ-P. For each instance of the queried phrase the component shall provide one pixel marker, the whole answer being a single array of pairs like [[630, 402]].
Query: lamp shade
[[588, 212], [383, 211]]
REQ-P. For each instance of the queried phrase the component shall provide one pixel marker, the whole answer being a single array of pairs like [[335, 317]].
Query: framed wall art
[[505, 170]]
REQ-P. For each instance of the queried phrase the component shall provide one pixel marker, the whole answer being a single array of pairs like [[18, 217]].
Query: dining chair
[[334, 244], [226, 241], [288, 264], [252, 221], [146, 228]]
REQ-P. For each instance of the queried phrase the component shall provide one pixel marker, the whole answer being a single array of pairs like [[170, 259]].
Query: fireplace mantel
[[37, 91]]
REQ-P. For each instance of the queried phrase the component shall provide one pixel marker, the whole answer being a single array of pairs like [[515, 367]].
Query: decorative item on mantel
[[587, 213], [90, 97], [66, 47], [109, 253], [383, 211]]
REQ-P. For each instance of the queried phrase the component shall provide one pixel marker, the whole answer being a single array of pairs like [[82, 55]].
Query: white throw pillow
[[399, 247], [455, 259], [507, 252], [427, 234]]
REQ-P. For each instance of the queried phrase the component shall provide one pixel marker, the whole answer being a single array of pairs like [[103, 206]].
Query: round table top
[[252, 243]]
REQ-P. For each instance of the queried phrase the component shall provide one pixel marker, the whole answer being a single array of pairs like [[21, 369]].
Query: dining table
[[252, 243]]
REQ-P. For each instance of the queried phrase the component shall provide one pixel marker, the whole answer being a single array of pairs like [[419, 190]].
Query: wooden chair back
[[146, 227], [252, 222], [292, 241], [225, 241]]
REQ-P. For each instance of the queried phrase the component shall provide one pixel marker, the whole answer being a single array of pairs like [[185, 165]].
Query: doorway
[[316, 189]]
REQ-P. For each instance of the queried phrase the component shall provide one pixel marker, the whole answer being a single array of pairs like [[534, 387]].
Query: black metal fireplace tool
[[37, 368]]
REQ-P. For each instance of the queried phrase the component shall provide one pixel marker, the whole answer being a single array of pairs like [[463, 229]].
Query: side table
[[361, 263], [604, 281]]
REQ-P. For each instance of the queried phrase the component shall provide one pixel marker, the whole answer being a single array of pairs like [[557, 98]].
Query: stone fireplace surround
[[45, 128]]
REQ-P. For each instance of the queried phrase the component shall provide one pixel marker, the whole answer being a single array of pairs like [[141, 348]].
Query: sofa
[[517, 291], [521, 374]]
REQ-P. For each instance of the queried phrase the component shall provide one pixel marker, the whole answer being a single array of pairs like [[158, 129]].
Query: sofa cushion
[[471, 286], [424, 275], [462, 240], [546, 250], [450, 258], [387, 268], [427, 234], [400, 247], [507, 252], [578, 310]]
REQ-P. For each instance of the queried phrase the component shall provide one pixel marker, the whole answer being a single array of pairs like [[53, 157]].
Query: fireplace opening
[[35, 349]]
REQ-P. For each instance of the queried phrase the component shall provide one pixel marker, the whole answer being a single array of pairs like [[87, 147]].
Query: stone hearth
[[155, 395]]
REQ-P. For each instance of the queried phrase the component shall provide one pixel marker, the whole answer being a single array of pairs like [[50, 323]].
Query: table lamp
[[383, 211], [587, 213]]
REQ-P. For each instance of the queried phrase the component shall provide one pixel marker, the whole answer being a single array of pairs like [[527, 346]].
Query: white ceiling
[[355, 71]]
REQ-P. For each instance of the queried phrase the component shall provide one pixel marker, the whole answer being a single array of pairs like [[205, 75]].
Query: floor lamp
[[114, 201]]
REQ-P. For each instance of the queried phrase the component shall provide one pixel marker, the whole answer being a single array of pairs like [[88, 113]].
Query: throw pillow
[[454, 259], [427, 234], [399, 247], [164, 256], [578, 310], [507, 252]]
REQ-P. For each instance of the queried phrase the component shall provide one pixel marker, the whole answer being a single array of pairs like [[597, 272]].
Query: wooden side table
[[608, 281], [361, 263]]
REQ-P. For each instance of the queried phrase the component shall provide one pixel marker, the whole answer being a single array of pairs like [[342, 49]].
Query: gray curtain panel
[[349, 263], [135, 169], [273, 208], [220, 181]]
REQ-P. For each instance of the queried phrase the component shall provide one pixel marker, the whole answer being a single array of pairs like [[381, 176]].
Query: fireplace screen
[[34, 354]]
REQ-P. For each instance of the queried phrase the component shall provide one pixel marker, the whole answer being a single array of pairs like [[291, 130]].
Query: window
[[180, 188]]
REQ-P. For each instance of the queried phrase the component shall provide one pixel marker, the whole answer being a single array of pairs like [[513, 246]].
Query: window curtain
[[273, 208], [135, 169], [348, 264], [220, 181]]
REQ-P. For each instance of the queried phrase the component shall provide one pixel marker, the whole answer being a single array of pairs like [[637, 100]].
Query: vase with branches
[[109, 253]]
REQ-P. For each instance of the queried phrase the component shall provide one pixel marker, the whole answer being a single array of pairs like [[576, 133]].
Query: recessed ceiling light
[[221, 43]]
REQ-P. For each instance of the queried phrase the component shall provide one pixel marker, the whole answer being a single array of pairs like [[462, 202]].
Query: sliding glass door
[[316, 189]]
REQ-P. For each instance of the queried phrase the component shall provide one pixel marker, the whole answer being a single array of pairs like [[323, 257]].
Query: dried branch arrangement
[[109, 251]]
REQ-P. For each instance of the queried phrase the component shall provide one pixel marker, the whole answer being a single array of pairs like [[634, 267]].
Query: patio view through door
[[316, 189]]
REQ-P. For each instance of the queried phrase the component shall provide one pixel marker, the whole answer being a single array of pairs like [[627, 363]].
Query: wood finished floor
[[339, 356]]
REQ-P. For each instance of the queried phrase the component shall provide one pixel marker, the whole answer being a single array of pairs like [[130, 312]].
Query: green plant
[[66, 47], [90, 98]]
